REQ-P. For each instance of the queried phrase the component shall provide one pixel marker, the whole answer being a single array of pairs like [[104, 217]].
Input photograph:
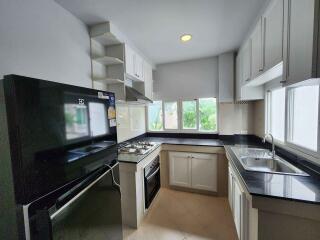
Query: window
[[155, 116], [171, 115], [292, 117], [189, 114], [303, 105], [276, 105], [207, 114]]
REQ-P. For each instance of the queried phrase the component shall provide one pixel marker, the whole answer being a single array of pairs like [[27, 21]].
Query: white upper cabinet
[[130, 59], [243, 76], [138, 66], [134, 64], [273, 34], [148, 80], [226, 77], [246, 62], [284, 45], [301, 41], [257, 50]]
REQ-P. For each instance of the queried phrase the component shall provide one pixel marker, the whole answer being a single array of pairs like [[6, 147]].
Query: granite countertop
[[186, 141], [132, 158], [287, 187]]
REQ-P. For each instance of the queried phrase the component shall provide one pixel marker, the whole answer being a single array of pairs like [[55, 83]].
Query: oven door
[[93, 213], [152, 185]]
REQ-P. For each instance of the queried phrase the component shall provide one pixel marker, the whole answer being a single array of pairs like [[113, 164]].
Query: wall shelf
[[107, 61], [106, 39], [109, 80]]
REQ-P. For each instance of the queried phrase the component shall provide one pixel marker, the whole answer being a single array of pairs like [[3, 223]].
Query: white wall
[[187, 79], [236, 118], [38, 38]]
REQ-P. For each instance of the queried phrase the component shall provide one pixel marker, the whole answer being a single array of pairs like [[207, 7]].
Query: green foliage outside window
[[189, 114], [208, 114]]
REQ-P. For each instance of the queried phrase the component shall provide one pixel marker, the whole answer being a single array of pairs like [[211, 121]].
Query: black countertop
[[186, 141], [288, 187]]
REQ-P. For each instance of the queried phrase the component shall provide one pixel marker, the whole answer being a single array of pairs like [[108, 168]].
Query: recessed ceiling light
[[185, 37]]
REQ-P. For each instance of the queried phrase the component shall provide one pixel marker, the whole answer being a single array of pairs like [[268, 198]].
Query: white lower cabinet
[[193, 170], [180, 169], [239, 205]]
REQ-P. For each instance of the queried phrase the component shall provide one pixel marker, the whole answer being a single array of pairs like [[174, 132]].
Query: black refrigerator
[[63, 156]]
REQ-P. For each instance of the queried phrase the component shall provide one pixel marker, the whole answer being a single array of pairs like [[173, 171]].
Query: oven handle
[[154, 173]]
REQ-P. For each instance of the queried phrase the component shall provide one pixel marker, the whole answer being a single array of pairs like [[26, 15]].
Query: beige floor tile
[[179, 215]]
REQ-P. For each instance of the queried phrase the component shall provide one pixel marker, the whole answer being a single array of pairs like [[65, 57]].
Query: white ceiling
[[154, 26]]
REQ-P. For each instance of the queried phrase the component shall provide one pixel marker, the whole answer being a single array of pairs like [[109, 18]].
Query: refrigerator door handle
[[65, 206]]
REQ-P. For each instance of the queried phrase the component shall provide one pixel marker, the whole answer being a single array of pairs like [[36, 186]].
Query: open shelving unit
[[107, 60]]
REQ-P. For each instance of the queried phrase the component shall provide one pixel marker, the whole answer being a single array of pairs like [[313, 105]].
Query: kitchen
[[159, 119]]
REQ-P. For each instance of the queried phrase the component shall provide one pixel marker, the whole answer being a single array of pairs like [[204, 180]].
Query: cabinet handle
[[288, 41]]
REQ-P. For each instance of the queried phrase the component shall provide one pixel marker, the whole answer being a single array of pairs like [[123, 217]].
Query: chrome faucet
[[272, 141]]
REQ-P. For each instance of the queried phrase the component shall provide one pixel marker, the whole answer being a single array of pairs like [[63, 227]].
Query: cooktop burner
[[139, 148]]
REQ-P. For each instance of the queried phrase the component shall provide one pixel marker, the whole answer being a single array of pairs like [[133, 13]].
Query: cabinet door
[[237, 196], [138, 66], [180, 169], [299, 49], [273, 34], [148, 80], [230, 188], [130, 59], [246, 62], [256, 54], [204, 171], [238, 75]]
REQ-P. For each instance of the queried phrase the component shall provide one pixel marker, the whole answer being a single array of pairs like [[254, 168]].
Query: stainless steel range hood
[[132, 95]]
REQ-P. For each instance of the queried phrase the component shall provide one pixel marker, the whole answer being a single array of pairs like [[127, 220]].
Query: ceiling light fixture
[[185, 37]]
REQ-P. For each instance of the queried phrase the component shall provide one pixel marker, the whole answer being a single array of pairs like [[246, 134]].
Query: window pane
[[171, 115], [208, 114], [304, 116], [277, 113], [189, 115], [155, 116]]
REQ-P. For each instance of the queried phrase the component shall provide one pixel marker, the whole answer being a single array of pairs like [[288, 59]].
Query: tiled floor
[[180, 216]]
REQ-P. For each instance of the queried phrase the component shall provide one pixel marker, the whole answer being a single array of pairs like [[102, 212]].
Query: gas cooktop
[[138, 148]]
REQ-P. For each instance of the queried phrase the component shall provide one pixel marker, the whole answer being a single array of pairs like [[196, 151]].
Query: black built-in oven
[[151, 181]]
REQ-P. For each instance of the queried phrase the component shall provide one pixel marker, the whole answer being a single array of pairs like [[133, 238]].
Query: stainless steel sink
[[260, 160]]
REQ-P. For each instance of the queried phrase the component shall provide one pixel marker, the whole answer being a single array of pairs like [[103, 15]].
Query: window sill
[[183, 131]]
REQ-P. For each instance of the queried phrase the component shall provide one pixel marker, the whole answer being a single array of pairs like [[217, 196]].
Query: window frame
[[164, 116], [268, 97], [289, 103], [181, 116], [313, 156], [147, 117], [180, 120]]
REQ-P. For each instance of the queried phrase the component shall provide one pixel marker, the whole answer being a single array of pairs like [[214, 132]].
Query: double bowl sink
[[261, 160]]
